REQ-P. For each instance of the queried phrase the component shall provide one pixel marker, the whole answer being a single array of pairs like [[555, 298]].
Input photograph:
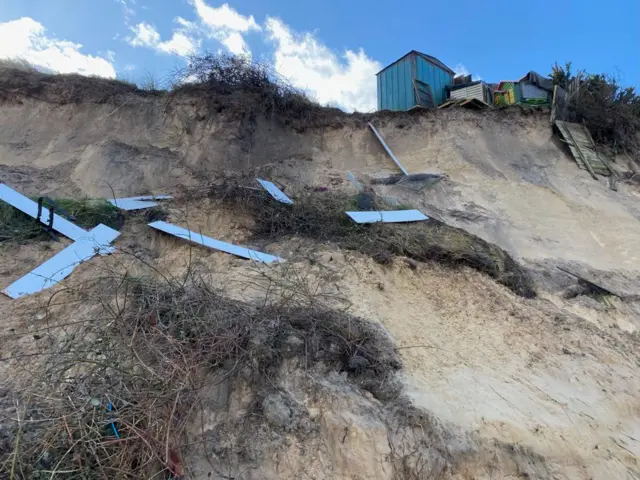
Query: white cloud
[[181, 43], [226, 25], [460, 69], [146, 35], [127, 8], [348, 81], [236, 44], [26, 39], [224, 17]]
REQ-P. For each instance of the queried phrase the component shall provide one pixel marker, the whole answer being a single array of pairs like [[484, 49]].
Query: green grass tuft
[[15, 226]]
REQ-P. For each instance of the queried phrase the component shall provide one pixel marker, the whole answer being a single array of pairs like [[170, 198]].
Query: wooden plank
[[605, 162], [586, 162], [568, 140]]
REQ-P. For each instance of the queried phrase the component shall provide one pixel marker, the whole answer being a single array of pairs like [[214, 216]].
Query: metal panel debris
[[149, 197], [274, 191], [28, 206], [213, 243], [354, 181], [128, 204], [137, 203], [395, 216], [62, 264], [386, 147]]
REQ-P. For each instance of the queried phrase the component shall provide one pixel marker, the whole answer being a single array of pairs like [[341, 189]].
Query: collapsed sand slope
[[511, 387], [529, 373], [511, 183], [509, 180]]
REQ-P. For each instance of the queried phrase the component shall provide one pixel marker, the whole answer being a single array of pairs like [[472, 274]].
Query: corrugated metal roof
[[429, 58]]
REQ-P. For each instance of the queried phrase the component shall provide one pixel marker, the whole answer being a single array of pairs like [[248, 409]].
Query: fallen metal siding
[[198, 238], [397, 216], [386, 147], [129, 205], [137, 203], [274, 191], [28, 206], [63, 263]]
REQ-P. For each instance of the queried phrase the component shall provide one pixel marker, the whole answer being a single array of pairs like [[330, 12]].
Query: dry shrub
[[322, 217], [240, 85], [149, 351], [610, 111], [18, 80]]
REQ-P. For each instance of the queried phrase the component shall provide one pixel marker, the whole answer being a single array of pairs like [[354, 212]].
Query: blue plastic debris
[[213, 243], [396, 216], [113, 425]]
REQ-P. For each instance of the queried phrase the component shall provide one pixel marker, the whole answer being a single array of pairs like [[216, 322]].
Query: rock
[[276, 411]]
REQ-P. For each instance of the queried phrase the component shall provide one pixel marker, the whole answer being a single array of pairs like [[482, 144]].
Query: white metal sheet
[[213, 243], [386, 147], [395, 216], [62, 264], [274, 191], [148, 197], [28, 206], [129, 204], [138, 203], [354, 181]]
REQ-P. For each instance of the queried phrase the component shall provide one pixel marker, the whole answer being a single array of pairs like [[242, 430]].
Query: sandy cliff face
[[508, 387]]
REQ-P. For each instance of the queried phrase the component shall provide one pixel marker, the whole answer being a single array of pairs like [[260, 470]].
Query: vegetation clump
[[322, 218], [115, 392], [86, 212], [610, 111]]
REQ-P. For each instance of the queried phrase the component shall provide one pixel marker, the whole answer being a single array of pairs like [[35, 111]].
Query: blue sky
[[331, 48]]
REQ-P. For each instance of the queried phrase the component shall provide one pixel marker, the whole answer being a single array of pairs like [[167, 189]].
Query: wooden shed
[[416, 79]]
